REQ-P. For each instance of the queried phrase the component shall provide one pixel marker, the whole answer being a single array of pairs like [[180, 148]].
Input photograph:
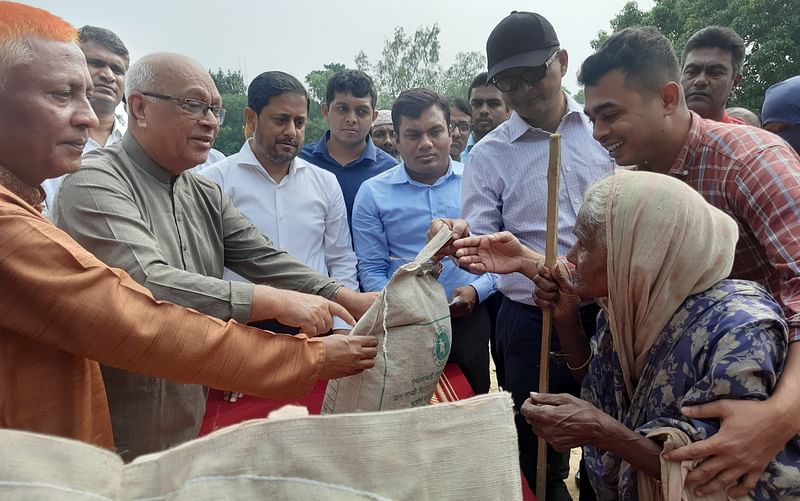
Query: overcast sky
[[302, 35]]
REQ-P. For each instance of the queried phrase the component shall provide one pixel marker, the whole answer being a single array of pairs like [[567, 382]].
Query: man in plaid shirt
[[640, 116]]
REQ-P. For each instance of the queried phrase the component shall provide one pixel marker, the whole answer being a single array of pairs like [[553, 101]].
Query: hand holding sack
[[411, 320]]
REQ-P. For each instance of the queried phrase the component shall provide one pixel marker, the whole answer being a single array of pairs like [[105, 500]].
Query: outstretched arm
[[497, 253]]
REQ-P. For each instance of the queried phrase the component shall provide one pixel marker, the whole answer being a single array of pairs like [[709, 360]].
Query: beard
[[280, 157]]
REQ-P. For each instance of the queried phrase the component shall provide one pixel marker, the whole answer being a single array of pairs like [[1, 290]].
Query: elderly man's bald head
[[158, 71], [173, 104]]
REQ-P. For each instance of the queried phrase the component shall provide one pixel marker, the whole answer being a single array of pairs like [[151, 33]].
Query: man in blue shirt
[[393, 211], [346, 149]]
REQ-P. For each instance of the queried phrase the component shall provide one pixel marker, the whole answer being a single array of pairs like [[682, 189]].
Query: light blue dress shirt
[[391, 216]]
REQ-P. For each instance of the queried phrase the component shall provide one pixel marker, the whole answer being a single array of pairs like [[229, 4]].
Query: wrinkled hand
[[459, 228], [347, 355], [467, 299], [562, 420], [494, 253], [312, 314], [357, 303], [554, 292], [739, 452]]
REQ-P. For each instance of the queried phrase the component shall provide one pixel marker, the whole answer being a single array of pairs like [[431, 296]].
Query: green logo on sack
[[441, 346]]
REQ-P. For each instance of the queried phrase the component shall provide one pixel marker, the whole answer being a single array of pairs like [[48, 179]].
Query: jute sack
[[437, 452], [411, 320]]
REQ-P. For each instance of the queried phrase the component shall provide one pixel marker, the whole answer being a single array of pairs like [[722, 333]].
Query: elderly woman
[[672, 332]]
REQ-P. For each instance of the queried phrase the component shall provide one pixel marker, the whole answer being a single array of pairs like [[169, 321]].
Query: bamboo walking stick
[[551, 241]]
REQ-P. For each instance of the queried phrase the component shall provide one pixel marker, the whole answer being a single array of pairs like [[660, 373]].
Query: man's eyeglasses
[[194, 107], [530, 76], [463, 127]]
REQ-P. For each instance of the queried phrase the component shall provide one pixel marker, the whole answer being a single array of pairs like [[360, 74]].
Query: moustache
[[293, 144]]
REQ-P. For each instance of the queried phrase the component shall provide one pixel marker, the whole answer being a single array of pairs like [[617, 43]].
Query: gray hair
[[13, 53], [141, 77], [594, 211]]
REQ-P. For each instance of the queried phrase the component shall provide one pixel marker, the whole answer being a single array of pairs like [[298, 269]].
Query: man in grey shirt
[[134, 207]]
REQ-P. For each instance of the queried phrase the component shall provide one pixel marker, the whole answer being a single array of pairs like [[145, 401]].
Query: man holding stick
[[505, 189]]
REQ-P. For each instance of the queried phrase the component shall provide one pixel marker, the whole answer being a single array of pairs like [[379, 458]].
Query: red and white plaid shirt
[[753, 176]]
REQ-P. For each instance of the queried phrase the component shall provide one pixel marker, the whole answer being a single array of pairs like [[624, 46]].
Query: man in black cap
[[505, 188]]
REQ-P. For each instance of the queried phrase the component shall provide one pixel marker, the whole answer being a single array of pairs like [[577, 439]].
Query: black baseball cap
[[522, 39]]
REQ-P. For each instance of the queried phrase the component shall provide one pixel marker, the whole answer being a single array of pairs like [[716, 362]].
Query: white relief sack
[[436, 452], [411, 320]]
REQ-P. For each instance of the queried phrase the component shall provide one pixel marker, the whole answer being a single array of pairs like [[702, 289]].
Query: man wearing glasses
[[460, 126], [505, 188], [134, 207]]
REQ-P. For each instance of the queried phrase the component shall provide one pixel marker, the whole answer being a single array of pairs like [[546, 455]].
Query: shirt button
[[569, 169]]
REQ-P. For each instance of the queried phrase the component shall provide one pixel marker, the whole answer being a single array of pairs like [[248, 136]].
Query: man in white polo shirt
[[297, 205]]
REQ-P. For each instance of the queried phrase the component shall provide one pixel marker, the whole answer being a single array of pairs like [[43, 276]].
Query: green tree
[[769, 29], [317, 80], [231, 87], [456, 79], [409, 61], [228, 82]]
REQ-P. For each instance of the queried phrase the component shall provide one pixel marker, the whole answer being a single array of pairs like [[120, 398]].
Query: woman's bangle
[[591, 355]]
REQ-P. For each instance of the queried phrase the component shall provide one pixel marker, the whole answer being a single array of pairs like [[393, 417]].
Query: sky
[[302, 35]]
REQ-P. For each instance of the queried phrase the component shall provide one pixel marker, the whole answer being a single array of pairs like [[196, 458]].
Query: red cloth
[[220, 413]]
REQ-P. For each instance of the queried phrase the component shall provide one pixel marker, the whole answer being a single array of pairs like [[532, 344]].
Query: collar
[[248, 158], [690, 147], [143, 161], [727, 119], [32, 195], [117, 132], [321, 150], [119, 128], [517, 126], [400, 175]]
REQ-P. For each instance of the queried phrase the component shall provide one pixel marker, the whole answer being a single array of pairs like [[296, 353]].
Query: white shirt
[[304, 214], [505, 185], [51, 186], [214, 156]]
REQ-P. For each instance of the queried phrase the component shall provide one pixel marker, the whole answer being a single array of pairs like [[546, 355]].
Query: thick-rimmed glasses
[[529, 76], [463, 127], [194, 107]]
